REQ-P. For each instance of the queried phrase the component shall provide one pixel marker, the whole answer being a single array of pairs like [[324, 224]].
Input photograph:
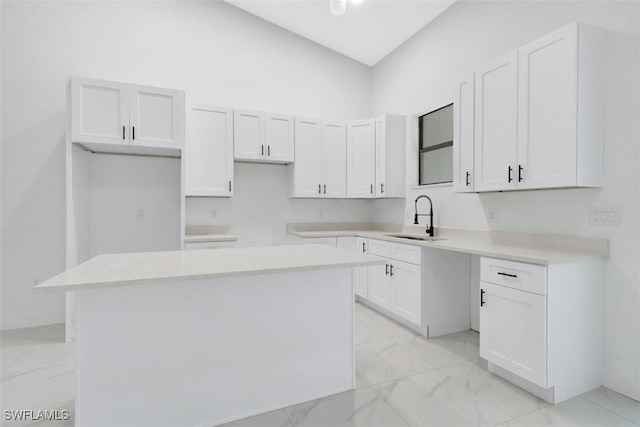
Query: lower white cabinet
[[518, 344], [361, 274], [541, 326], [397, 285]]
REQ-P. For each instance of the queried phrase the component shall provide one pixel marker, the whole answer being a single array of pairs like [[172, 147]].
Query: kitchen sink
[[414, 237]]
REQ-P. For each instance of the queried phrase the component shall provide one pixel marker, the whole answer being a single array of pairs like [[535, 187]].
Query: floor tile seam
[[40, 367], [633, 401], [607, 409]]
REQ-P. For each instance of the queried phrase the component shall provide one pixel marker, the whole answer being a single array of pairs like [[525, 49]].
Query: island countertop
[[126, 269]]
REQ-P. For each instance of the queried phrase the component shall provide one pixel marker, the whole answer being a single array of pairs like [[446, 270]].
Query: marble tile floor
[[401, 380]]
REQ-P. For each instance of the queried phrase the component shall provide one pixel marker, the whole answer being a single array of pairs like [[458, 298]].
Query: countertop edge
[[163, 280]]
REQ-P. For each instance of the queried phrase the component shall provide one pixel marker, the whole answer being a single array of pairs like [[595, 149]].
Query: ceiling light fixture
[[338, 7]]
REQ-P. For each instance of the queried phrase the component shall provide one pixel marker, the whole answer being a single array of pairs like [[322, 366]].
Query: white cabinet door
[[496, 95], [334, 159], [307, 168], [463, 135], [390, 156], [279, 139], [380, 290], [547, 110], [406, 283], [348, 243], [248, 135], [361, 159], [99, 111], [513, 331], [209, 152], [156, 116], [361, 274], [381, 157]]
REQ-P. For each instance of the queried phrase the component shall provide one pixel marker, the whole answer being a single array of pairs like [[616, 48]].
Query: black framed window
[[435, 151]]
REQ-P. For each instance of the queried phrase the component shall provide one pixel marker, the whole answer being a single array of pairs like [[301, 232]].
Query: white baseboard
[[31, 319]]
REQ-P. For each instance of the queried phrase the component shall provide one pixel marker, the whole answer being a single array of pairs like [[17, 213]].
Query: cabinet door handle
[[364, 247], [262, 150], [481, 297], [391, 270], [501, 273], [133, 132], [324, 188], [229, 186], [123, 136], [319, 188], [268, 150], [519, 173], [386, 271], [509, 174], [381, 187], [467, 182], [371, 188]]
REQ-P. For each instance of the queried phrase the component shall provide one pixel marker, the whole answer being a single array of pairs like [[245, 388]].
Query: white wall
[[419, 76], [215, 52], [260, 207]]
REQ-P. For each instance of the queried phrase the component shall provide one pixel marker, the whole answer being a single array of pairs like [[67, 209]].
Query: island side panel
[[210, 351]]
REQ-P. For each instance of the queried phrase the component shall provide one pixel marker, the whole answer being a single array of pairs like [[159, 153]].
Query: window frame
[[432, 148]]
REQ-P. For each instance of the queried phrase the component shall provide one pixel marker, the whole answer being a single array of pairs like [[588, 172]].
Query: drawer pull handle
[[481, 297], [391, 271], [386, 272], [364, 249], [507, 274]]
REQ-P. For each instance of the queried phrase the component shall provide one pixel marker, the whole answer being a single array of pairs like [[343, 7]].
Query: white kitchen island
[[205, 337]]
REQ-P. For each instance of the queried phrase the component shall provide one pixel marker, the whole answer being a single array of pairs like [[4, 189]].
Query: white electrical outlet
[[492, 215], [604, 215], [141, 214]]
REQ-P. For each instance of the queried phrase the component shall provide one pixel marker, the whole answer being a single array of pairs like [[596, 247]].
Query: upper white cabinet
[[320, 167], [120, 117], [390, 134], [560, 109], [209, 151], [463, 135], [263, 137], [361, 158], [538, 117], [496, 103]]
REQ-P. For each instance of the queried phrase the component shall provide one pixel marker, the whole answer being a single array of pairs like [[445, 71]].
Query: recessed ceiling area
[[367, 32]]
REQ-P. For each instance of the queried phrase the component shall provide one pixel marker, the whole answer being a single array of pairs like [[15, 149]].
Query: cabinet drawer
[[516, 275], [380, 248], [407, 253]]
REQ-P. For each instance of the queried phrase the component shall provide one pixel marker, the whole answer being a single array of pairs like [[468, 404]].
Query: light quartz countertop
[[208, 233], [522, 247], [113, 270]]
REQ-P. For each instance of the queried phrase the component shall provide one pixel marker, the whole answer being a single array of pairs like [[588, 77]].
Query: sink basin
[[414, 237]]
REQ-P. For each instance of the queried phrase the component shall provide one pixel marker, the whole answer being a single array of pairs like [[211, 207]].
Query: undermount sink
[[414, 237]]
